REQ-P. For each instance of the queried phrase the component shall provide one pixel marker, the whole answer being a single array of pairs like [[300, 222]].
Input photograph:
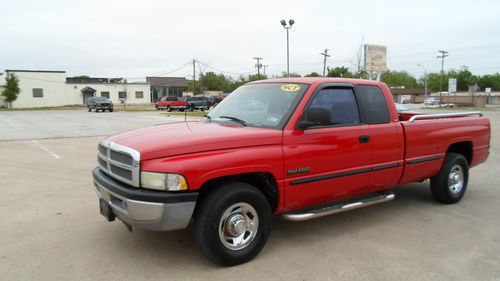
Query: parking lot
[[51, 229]]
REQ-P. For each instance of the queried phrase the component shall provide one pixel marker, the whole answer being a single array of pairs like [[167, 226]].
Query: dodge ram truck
[[300, 148], [171, 103]]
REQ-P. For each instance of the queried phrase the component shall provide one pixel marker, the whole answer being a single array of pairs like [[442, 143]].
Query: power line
[[226, 72], [174, 70]]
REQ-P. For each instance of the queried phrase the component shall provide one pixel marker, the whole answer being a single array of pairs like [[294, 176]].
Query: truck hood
[[184, 138]]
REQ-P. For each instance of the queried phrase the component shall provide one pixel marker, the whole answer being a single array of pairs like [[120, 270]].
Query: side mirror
[[315, 116]]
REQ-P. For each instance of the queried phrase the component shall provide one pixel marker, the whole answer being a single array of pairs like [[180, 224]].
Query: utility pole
[[325, 55], [443, 55], [425, 81], [194, 76], [264, 67], [258, 65]]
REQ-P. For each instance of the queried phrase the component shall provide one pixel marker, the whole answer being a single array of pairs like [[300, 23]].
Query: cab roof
[[318, 80]]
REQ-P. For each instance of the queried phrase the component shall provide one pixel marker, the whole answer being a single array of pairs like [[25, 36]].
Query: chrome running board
[[338, 207]]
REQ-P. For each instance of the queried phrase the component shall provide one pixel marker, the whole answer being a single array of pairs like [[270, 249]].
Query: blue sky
[[139, 38]]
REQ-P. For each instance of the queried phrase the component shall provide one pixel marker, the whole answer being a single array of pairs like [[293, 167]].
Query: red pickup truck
[[300, 148], [171, 103]]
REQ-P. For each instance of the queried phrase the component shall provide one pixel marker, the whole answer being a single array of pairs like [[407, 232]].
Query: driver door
[[323, 163]]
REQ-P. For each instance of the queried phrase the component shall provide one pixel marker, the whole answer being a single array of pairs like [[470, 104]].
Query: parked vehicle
[[197, 103], [212, 101], [99, 103], [301, 148], [431, 101], [171, 103], [401, 107]]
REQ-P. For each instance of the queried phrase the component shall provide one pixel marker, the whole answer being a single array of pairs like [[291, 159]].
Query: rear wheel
[[111, 110], [233, 223], [169, 109], [449, 185], [90, 110]]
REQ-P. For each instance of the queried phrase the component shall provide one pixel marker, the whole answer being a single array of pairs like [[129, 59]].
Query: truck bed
[[427, 140]]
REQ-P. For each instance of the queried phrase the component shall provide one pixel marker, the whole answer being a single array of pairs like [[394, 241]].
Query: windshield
[[101, 99], [266, 105]]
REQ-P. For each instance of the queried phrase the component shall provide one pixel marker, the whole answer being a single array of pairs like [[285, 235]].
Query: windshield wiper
[[236, 119], [208, 117]]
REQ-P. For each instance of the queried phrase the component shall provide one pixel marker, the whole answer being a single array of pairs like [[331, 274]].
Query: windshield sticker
[[290, 88]]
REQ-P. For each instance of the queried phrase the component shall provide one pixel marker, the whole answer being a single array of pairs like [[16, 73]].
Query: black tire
[[208, 219], [169, 109], [446, 187], [111, 110], [90, 110], [157, 108]]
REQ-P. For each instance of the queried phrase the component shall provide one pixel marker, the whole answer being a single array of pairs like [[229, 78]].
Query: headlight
[[160, 181]]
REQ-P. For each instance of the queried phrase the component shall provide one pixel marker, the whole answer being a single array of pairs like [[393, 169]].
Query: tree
[[489, 81], [255, 77], [399, 79], [341, 71], [284, 75], [11, 89], [312, 74]]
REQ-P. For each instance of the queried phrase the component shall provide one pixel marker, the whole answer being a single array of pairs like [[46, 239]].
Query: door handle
[[364, 139]]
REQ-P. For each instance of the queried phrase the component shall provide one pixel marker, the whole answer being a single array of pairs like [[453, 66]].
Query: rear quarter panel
[[426, 143]]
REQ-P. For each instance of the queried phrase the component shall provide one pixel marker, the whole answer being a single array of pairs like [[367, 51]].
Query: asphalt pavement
[[51, 229]]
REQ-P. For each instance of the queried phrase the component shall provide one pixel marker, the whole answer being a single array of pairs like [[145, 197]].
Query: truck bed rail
[[444, 115]]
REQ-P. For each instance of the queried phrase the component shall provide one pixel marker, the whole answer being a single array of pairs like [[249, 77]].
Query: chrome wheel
[[238, 226], [456, 179]]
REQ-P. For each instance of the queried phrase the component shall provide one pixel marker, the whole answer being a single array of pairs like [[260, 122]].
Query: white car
[[431, 101]]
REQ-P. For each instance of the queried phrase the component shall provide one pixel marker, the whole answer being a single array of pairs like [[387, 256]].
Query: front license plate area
[[106, 210]]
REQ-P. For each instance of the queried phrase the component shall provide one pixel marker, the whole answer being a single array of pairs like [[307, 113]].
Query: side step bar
[[338, 207]]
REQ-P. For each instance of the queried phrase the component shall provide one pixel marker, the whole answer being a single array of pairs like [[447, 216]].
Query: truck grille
[[119, 162]]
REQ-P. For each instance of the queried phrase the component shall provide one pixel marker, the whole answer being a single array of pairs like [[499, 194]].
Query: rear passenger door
[[386, 137]]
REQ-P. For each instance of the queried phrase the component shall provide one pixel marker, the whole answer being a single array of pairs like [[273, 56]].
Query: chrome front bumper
[[139, 208]]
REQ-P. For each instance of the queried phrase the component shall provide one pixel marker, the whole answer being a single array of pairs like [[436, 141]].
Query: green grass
[[188, 113]]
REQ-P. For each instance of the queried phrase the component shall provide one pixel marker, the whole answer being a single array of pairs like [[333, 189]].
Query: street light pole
[[287, 27], [425, 81], [443, 55]]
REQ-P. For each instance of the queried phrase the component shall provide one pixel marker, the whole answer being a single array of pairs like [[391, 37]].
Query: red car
[[171, 103], [300, 148]]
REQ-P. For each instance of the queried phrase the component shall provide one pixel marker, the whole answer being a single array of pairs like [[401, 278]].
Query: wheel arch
[[462, 147], [263, 181]]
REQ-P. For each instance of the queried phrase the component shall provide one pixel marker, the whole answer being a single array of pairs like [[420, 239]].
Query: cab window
[[341, 103]]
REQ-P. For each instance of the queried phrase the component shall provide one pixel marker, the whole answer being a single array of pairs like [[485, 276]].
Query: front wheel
[[449, 185], [233, 223]]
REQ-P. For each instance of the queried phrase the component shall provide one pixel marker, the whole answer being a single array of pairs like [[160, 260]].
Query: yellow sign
[[290, 88]]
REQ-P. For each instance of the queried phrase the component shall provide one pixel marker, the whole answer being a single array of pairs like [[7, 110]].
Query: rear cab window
[[372, 105]]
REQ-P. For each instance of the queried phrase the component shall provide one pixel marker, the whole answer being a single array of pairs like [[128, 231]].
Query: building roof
[[167, 81], [34, 70]]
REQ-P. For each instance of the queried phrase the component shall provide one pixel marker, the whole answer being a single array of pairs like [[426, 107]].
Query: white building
[[43, 88]]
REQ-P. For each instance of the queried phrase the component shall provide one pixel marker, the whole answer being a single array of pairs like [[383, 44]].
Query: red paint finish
[[166, 102], [310, 166]]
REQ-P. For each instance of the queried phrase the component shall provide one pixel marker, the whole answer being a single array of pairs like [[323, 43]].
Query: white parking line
[[46, 149]]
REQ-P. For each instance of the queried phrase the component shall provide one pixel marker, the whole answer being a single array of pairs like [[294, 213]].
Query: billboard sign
[[452, 85], [375, 58]]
